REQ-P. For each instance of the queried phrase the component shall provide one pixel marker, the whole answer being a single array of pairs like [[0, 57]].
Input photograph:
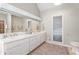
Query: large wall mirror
[[12, 23], [20, 24]]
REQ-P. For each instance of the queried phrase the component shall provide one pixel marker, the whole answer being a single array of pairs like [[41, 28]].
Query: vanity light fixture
[[57, 4]]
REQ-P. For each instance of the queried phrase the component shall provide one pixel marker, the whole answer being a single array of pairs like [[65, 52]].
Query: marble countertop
[[20, 36]]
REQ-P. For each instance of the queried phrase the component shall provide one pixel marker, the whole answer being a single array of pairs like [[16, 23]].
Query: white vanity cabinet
[[34, 42], [37, 40], [24, 44], [19, 47]]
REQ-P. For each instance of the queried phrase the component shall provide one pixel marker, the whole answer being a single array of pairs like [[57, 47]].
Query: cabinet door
[[38, 40], [21, 48], [33, 44]]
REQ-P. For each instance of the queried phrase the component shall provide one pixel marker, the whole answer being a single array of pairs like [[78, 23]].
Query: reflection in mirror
[[35, 25], [1, 26], [30, 27], [10, 23], [21, 24], [2, 22], [17, 24]]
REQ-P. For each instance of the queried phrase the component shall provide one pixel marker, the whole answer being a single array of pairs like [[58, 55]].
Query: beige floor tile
[[50, 49]]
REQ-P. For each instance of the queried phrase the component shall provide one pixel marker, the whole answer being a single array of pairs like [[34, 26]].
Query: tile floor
[[50, 49]]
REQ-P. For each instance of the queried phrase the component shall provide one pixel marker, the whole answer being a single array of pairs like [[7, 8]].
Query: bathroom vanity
[[21, 43], [16, 22]]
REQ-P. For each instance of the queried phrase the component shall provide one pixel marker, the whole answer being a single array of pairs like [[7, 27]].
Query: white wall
[[70, 17]]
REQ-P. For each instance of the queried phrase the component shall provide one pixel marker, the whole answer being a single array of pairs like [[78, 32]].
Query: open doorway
[[57, 28]]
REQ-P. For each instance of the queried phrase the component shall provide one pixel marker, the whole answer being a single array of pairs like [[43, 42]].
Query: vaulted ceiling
[[38, 8], [46, 6]]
